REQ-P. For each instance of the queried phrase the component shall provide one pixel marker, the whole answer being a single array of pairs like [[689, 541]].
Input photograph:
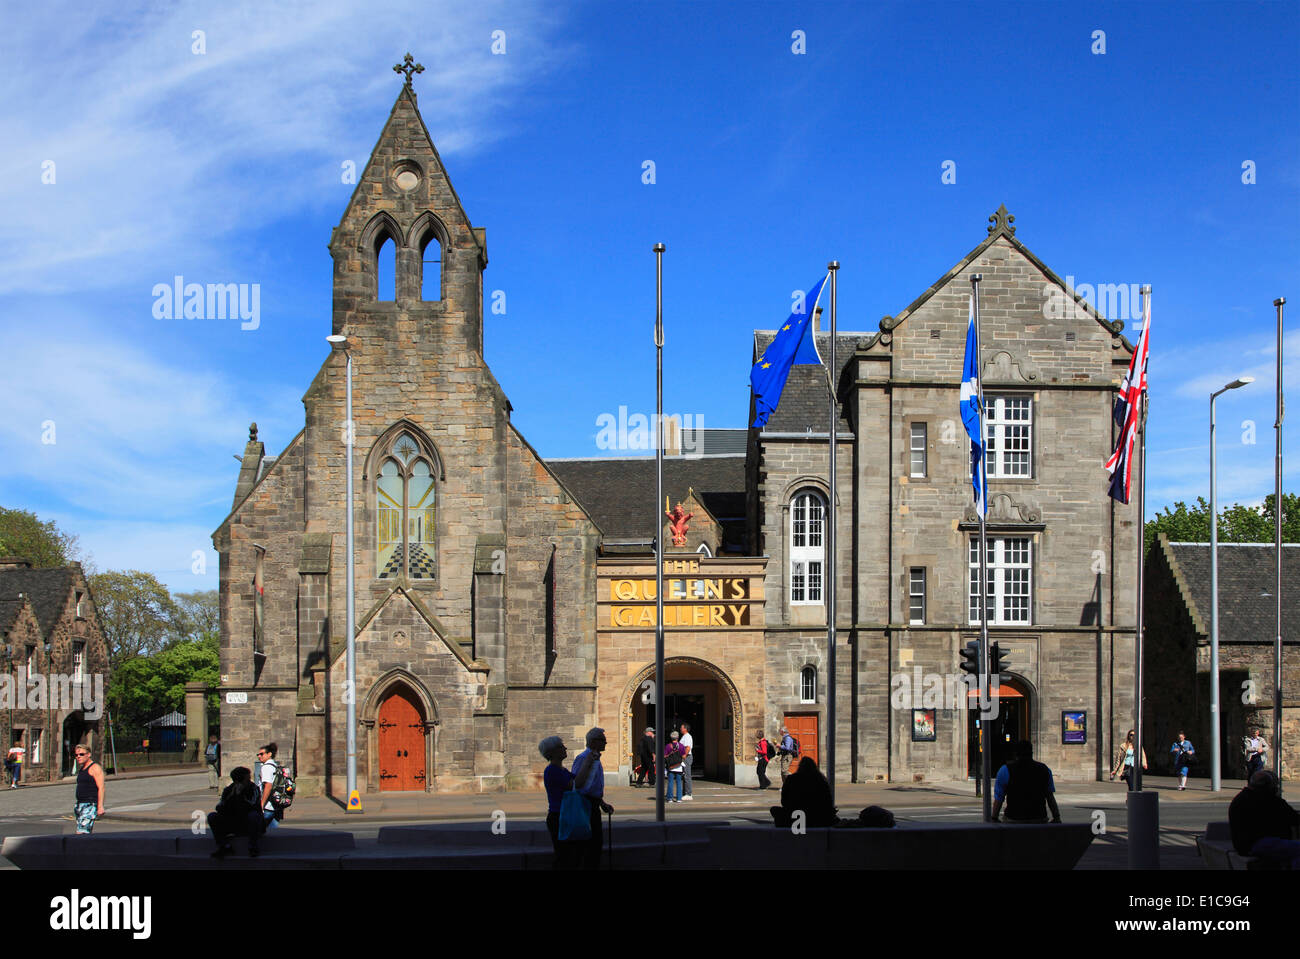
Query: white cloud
[[133, 435], [159, 149]]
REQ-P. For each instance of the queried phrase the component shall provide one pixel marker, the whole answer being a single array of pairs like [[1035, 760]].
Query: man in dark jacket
[[1263, 824], [646, 757], [1027, 788], [238, 813]]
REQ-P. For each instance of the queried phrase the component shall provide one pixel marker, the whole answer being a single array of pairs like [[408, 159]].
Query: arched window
[[431, 268], [405, 494], [808, 685], [807, 548], [386, 269]]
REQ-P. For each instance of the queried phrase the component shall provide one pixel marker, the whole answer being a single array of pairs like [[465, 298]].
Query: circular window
[[407, 180]]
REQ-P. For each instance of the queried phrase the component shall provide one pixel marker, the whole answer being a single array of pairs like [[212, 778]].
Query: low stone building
[[52, 691], [1177, 626]]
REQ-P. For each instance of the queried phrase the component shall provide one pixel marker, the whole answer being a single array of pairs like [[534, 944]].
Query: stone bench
[[906, 846]]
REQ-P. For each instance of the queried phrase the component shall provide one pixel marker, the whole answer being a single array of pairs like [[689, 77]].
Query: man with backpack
[[788, 751], [277, 786], [764, 753]]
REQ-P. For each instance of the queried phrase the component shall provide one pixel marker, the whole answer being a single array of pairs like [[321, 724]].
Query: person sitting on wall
[[237, 813], [1263, 824], [806, 791]]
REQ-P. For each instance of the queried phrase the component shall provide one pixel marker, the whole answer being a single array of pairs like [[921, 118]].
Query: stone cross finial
[[1001, 221], [407, 67]]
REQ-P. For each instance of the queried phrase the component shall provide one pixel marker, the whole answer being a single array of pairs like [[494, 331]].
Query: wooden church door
[[401, 743]]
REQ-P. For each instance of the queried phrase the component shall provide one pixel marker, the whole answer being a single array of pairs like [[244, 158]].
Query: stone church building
[[501, 598]]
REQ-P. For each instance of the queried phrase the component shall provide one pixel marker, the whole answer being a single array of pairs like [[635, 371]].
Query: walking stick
[[610, 816]]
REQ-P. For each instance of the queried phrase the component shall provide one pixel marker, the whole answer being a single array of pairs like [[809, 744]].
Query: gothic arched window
[[405, 494]]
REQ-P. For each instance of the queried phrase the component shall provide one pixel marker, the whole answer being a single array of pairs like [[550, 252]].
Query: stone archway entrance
[[695, 692], [1013, 723], [400, 719]]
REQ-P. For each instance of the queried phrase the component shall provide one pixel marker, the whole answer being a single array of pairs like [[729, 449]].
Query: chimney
[[672, 436], [15, 562], [817, 320]]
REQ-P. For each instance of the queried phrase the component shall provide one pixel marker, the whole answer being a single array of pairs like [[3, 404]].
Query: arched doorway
[[401, 751], [1013, 722], [74, 728], [698, 693]]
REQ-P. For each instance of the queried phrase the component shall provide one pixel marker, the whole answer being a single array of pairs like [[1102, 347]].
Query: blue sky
[[225, 166]]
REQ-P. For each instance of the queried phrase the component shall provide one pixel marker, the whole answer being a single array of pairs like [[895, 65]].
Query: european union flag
[[972, 415], [794, 344]]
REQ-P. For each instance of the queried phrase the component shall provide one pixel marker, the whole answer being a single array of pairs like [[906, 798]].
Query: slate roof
[[9, 610], [803, 404], [708, 442], [619, 493], [46, 588], [1246, 571]]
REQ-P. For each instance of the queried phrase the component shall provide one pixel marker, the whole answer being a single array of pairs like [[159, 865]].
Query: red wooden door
[[401, 743], [803, 727]]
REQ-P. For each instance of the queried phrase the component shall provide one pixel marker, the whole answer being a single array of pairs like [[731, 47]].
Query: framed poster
[[923, 730], [1074, 727]]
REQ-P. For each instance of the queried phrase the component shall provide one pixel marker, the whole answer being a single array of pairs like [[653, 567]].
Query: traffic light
[[997, 659], [970, 658]]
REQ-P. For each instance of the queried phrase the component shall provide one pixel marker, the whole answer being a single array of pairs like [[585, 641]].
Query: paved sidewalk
[[637, 804]]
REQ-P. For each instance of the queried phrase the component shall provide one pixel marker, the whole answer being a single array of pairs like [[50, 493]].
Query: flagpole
[[834, 267], [1277, 551], [986, 694], [659, 529], [1141, 524]]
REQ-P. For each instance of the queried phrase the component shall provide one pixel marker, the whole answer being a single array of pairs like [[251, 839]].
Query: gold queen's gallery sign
[[692, 600]]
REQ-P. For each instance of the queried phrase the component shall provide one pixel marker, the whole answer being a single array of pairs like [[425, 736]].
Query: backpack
[[769, 750], [795, 750], [673, 757], [282, 789]]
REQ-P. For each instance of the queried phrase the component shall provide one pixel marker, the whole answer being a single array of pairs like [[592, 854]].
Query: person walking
[[1256, 752], [764, 751], [1184, 754], [89, 803], [212, 756], [589, 779], [1126, 757], [674, 758], [646, 757], [786, 753], [556, 779], [266, 777], [688, 760], [14, 762]]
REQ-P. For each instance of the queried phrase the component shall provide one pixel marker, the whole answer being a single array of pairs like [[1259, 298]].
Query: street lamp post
[[1215, 759], [350, 689]]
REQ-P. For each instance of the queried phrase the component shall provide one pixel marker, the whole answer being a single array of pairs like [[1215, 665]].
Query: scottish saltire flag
[[794, 345], [971, 415], [1128, 407]]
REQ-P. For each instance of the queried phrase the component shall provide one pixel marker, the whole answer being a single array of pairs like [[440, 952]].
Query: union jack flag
[[1128, 407]]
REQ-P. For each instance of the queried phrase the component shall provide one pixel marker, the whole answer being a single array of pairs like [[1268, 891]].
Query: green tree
[[146, 687], [1237, 523], [22, 534], [200, 613], [137, 613]]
